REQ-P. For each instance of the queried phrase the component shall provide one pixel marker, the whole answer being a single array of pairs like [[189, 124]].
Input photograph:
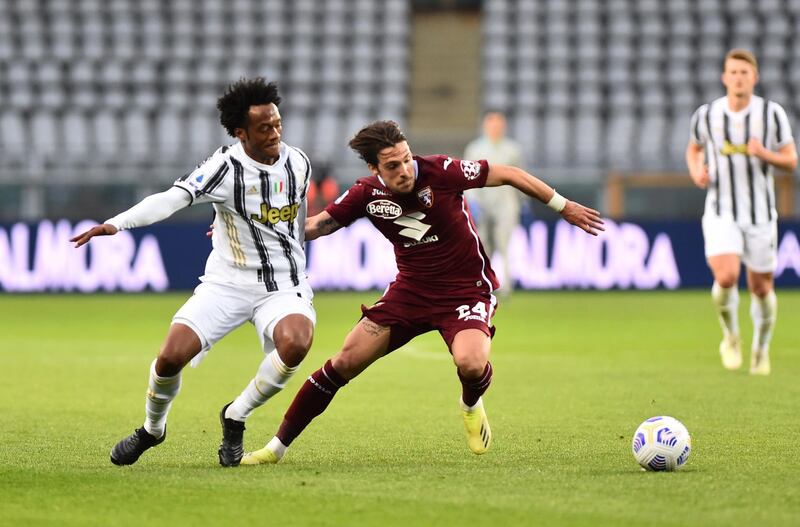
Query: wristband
[[557, 202]]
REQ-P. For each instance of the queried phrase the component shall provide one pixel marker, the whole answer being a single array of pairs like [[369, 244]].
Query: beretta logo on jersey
[[383, 208], [471, 169], [426, 197]]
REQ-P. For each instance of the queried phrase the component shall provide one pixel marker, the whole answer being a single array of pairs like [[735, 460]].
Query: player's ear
[[241, 134], [373, 169]]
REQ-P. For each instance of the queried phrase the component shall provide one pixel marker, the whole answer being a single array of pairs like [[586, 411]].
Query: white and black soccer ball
[[661, 443]]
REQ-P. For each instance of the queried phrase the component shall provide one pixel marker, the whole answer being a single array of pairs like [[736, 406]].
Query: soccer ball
[[661, 443]]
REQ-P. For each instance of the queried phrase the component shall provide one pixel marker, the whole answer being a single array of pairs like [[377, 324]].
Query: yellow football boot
[[479, 435], [263, 456]]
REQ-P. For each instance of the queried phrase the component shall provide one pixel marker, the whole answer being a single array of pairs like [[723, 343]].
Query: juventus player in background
[[445, 281], [255, 272], [736, 143]]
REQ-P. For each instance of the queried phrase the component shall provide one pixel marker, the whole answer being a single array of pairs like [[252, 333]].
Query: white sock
[[277, 448], [764, 312], [270, 379], [473, 407], [726, 300], [160, 393]]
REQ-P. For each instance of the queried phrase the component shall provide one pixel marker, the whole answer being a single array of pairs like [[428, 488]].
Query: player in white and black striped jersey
[[255, 272], [737, 142]]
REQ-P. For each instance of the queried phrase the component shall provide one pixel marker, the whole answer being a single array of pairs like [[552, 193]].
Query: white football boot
[[730, 350], [759, 362]]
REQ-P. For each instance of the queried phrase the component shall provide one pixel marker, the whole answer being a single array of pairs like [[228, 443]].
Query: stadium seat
[[650, 64]]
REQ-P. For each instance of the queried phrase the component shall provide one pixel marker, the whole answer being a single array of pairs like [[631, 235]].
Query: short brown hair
[[741, 54], [375, 137]]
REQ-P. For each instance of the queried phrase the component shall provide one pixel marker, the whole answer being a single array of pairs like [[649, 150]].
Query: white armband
[[557, 202], [152, 209]]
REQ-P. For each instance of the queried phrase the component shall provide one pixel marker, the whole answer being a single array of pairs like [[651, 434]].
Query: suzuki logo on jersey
[[273, 215], [383, 208], [426, 197], [413, 227], [471, 169], [423, 241]]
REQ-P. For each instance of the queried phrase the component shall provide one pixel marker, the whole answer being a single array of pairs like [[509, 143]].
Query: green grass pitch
[[575, 374]]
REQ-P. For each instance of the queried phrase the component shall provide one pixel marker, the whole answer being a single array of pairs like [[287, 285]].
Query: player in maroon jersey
[[445, 280]]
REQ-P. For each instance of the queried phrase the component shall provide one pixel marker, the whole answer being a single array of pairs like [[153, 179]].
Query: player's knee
[[293, 346], [347, 364], [761, 289], [171, 360], [727, 279], [470, 365]]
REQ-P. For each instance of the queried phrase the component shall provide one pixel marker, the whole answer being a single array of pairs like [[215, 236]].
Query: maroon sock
[[314, 396], [472, 389]]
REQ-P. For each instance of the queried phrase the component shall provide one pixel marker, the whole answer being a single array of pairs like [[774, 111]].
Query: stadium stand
[[609, 86], [125, 89], [93, 91]]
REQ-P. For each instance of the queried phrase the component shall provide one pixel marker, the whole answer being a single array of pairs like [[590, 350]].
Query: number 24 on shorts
[[478, 312]]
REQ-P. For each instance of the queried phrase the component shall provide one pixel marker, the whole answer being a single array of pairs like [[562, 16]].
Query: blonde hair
[[741, 54]]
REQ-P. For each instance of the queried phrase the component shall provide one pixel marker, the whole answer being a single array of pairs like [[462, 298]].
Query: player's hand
[[98, 230], [755, 147], [700, 177], [583, 217]]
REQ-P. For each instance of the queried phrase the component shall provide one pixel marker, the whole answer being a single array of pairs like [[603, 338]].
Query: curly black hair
[[375, 137], [234, 104]]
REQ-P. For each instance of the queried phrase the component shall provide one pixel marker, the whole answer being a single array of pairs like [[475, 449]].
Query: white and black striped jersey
[[260, 215], [740, 186]]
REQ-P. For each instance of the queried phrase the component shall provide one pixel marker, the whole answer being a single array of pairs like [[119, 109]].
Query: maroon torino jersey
[[435, 242]]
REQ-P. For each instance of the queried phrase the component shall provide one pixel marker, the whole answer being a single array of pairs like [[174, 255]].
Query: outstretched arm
[[320, 225], [575, 213], [150, 210]]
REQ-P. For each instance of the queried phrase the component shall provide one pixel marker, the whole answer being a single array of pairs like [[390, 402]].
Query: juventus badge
[[426, 197]]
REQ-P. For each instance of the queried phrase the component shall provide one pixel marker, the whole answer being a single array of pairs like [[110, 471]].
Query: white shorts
[[214, 310], [756, 245]]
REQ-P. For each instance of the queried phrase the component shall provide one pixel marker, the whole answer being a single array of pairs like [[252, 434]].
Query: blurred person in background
[[322, 190], [255, 272], [736, 143], [498, 207]]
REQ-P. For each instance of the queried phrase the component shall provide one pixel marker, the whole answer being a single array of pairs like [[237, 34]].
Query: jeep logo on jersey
[[273, 215], [471, 169], [383, 208]]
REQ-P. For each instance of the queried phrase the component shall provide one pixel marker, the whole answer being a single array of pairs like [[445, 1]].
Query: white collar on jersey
[[743, 111], [276, 165], [416, 174]]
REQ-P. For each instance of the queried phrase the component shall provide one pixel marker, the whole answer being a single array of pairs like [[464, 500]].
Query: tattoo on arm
[[328, 226], [373, 329]]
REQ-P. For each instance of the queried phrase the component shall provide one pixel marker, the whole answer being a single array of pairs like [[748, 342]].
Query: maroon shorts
[[410, 312]]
